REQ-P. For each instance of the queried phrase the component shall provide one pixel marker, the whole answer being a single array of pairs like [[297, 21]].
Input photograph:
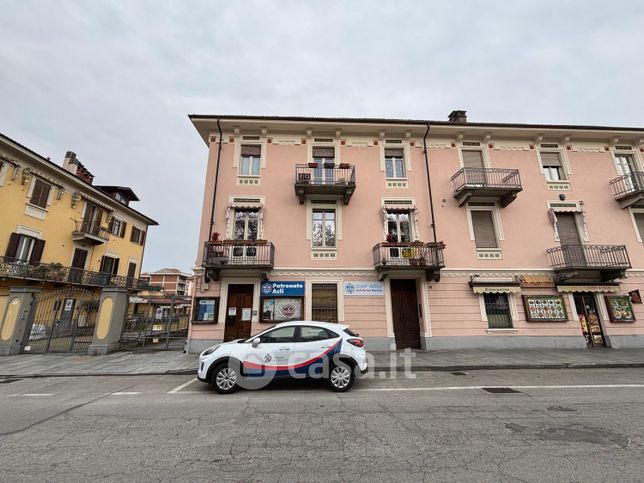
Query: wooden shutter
[[567, 229], [134, 229], [12, 247], [251, 150], [115, 266], [123, 225], [102, 265], [142, 238], [393, 153], [323, 152], [550, 159], [131, 270], [472, 158], [484, 233], [639, 221], [36, 252], [40, 193]]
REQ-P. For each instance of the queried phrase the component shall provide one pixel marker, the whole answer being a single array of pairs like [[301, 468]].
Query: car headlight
[[210, 350]]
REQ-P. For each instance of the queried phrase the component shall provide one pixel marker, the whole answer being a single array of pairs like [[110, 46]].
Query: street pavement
[[573, 425], [176, 362]]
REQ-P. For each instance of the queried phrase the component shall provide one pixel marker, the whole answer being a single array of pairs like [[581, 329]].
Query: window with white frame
[[472, 158], [323, 228], [249, 162], [638, 221], [484, 229], [395, 163], [552, 165]]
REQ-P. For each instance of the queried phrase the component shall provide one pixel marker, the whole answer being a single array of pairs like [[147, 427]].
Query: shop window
[[324, 302], [497, 310], [206, 309], [280, 309]]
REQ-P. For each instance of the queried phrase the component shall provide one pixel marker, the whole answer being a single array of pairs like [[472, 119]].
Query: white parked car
[[297, 349]]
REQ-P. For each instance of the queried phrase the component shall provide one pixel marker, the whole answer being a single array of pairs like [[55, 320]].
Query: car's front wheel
[[225, 378], [341, 377]]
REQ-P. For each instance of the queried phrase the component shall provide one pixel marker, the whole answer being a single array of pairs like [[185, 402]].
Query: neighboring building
[[172, 281], [57, 228], [496, 235]]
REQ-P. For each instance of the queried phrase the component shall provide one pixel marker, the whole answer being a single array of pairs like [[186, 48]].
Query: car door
[[312, 347], [274, 353]]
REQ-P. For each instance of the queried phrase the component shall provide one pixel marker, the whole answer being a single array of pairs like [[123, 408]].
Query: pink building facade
[[422, 234]]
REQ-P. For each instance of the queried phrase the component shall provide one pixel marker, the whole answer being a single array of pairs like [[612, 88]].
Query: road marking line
[[35, 395], [181, 386], [124, 394], [471, 388]]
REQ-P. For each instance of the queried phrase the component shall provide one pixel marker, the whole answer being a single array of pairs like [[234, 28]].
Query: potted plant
[[214, 237], [313, 165], [391, 238], [344, 166], [329, 165]]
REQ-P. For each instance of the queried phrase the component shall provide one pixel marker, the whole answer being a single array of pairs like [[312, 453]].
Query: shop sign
[[138, 300], [536, 281], [545, 308], [282, 289], [364, 289], [495, 289]]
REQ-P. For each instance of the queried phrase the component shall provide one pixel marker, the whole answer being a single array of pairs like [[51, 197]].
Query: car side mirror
[[255, 342]]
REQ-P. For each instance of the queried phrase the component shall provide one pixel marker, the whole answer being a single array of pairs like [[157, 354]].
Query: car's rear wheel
[[341, 377], [225, 378]]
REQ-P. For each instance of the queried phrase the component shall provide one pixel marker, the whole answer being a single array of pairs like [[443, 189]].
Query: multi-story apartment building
[[429, 234], [172, 281], [58, 228]]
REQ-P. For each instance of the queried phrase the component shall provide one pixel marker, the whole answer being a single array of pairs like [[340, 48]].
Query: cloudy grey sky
[[113, 81]]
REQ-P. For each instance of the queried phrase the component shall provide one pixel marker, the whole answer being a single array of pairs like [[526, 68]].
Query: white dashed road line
[[181, 386]]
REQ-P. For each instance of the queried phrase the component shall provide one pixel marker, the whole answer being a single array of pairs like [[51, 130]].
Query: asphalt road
[[560, 425]]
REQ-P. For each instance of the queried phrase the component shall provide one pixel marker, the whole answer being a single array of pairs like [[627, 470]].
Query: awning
[[248, 205], [496, 288], [608, 288]]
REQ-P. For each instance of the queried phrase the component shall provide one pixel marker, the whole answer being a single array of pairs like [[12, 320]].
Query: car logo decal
[[268, 358]]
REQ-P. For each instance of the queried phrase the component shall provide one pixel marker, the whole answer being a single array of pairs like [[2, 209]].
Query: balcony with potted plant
[[325, 179]]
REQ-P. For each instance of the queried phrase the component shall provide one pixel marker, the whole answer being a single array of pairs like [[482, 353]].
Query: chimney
[[74, 166], [458, 117]]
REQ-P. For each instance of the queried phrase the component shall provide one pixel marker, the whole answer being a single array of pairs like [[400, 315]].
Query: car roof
[[326, 325]]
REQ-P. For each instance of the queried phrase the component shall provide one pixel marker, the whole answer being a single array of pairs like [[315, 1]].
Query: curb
[[482, 367]]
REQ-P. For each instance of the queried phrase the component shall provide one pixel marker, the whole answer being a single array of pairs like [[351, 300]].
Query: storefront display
[[545, 308], [282, 301], [620, 308], [205, 309]]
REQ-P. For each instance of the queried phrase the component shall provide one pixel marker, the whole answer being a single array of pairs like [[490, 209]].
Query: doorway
[[589, 319], [404, 306], [239, 311]]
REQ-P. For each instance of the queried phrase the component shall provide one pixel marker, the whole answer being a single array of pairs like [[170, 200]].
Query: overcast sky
[[114, 81]]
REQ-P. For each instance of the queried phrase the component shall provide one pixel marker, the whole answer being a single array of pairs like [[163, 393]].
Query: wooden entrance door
[[239, 309], [404, 306]]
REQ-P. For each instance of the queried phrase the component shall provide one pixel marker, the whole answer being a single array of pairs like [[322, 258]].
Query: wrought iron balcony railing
[[90, 229], [316, 179], [239, 254], [57, 273], [611, 261], [628, 186], [409, 256], [499, 183]]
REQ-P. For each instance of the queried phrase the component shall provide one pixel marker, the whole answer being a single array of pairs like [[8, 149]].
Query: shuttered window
[[550, 159], [250, 160], [251, 150], [40, 193], [552, 166], [639, 221], [472, 158], [497, 310], [484, 231], [394, 163], [567, 229]]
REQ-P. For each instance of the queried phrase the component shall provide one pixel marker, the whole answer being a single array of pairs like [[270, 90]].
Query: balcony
[[90, 232], [603, 262], [246, 255], [11, 268], [427, 257], [329, 179], [628, 190], [496, 183]]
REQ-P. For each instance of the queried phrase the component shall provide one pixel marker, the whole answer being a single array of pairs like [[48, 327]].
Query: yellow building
[[57, 228]]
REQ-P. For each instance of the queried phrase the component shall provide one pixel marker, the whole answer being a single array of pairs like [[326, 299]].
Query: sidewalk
[[171, 362]]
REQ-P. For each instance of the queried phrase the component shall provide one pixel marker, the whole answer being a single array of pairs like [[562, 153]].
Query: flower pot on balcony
[[329, 165], [313, 165]]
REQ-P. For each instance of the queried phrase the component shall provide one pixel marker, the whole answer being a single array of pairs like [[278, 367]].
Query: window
[[205, 309], [484, 229], [472, 158], [279, 336], [137, 236], [250, 160], [312, 334], [323, 154], [639, 223], [109, 265], [323, 228], [24, 248], [497, 310], [394, 163], [280, 309], [552, 166], [117, 227], [325, 159], [398, 227], [40, 193], [324, 302]]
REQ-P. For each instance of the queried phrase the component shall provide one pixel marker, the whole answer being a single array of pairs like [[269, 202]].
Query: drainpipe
[[429, 183], [214, 192]]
